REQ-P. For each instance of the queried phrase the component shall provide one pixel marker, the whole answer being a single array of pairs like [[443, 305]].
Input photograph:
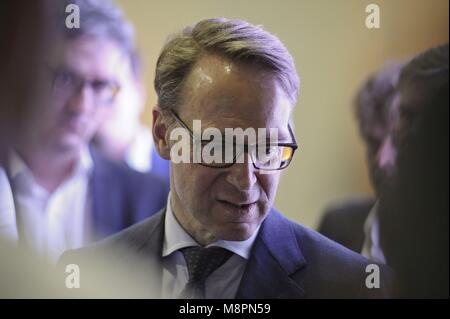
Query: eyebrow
[[67, 69], [266, 140], [191, 132]]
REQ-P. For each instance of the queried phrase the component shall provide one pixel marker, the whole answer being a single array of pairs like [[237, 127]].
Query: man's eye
[[63, 78], [268, 153], [270, 150], [100, 85], [373, 148]]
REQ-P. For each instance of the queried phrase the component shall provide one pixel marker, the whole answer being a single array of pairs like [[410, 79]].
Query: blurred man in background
[[66, 194], [354, 223], [27, 29], [122, 137], [414, 211]]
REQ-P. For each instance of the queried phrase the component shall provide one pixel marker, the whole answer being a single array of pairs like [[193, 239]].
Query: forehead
[[382, 122], [223, 94], [92, 57]]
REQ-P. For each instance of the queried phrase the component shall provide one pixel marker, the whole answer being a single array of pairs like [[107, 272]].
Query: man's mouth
[[73, 128], [238, 206]]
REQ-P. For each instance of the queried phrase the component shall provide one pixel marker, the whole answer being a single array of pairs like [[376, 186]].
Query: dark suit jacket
[[344, 222], [287, 261], [121, 196]]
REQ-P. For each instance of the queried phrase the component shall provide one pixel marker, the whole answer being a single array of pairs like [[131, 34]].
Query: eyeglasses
[[264, 156], [66, 83]]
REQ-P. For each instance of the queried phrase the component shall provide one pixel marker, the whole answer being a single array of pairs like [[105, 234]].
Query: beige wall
[[334, 52]]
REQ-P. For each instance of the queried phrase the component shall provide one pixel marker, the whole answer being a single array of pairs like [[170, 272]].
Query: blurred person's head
[[376, 110], [122, 122], [422, 84], [27, 37], [82, 76], [414, 221], [228, 74]]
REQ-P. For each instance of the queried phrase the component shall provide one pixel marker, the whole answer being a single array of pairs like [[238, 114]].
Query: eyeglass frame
[[80, 82], [293, 145]]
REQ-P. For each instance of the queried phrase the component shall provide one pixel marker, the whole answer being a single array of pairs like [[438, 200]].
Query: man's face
[[415, 95], [227, 203], [381, 150], [122, 120], [81, 75]]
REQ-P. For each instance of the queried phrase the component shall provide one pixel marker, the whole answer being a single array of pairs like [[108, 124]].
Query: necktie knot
[[201, 262]]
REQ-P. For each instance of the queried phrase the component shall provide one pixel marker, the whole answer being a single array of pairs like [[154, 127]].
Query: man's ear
[[160, 130]]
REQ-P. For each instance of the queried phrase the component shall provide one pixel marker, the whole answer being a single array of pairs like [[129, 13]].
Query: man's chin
[[239, 232], [69, 142]]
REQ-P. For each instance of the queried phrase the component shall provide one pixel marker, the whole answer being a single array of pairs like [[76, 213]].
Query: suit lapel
[[275, 256], [151, 248], [107, 202]]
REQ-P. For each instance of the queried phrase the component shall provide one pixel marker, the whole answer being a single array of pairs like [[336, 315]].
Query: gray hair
[[102, 19], [236, 40]]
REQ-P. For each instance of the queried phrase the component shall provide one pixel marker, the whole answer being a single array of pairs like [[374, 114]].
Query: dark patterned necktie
[[201, 262]]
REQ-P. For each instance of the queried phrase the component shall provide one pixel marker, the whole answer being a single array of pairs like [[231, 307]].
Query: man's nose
[[386, 155], [82, 101], [242, 175]]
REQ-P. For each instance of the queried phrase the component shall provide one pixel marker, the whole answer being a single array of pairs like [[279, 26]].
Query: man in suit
[[219, 236], [67, 195], [343, 222], [353, 223]]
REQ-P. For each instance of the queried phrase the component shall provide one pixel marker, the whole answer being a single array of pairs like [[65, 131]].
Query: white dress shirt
[[371, 247], [52, 223], [223, 283], [8, 226]]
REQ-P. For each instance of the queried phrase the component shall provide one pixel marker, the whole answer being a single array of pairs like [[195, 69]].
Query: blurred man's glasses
[[264, 156], [66, 84]]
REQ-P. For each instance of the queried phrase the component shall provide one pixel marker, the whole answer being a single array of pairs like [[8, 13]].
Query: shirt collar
[[85, 164], [8, 225], [175, 238], [18, 166], [22, 177]]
